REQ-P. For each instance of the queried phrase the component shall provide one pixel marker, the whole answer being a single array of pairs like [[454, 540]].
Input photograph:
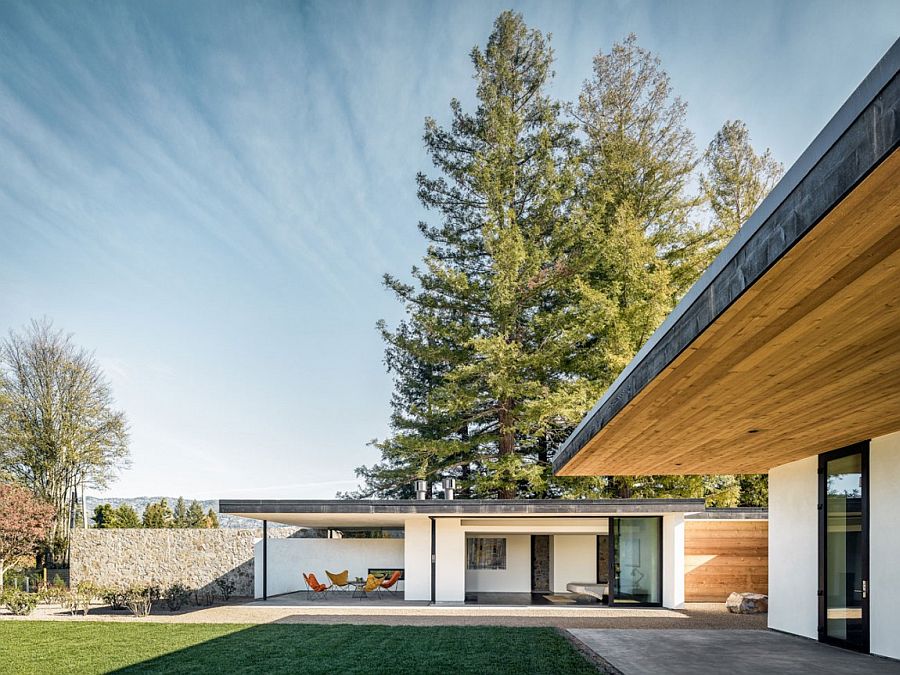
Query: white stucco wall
[[450, 568], [288, 559], [884, 545], [794, 547], [673, 560], [417, 559], [516, 578], [574, 559]]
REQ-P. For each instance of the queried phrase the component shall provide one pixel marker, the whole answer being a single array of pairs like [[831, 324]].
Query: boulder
[[747, 603]]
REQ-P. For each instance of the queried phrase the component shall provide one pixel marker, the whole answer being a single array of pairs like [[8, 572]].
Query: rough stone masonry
[[195, 558]]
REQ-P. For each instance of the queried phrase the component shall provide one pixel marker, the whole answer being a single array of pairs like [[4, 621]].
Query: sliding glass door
[[844, 547], [636, 561]]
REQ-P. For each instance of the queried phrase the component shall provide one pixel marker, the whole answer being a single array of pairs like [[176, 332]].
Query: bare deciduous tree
[[58, 427]]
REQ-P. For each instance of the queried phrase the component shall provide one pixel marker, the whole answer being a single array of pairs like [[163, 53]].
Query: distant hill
[[140, 503]]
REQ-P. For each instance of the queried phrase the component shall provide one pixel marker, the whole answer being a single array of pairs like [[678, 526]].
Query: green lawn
[[96, 647]]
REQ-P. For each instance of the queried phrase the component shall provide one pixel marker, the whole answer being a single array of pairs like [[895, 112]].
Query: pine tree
[[127, 517], [180, 517], [105, 517], [195, 516], [158, 515], [212, 520], [736, 180]]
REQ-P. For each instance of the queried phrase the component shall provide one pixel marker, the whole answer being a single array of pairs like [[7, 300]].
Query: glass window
[[844, 583], [486, 553], [638, 560]]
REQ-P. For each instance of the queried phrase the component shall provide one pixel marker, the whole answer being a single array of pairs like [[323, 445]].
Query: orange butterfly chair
[[314, 588], [390, 585]]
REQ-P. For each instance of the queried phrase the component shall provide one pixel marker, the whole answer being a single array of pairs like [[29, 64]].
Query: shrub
[[115, 597], [79, 599], [139, 600], [204, 598], [177, 595], [20, 603], [226, 587]]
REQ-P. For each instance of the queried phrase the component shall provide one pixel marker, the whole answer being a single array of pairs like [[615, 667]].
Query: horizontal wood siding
[[724, 556]]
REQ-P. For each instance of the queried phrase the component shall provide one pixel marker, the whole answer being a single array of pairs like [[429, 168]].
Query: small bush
[[114, 597], [80, 598], [20, 603], [204, 598], [226, 587], [177, 596], [139, 599]]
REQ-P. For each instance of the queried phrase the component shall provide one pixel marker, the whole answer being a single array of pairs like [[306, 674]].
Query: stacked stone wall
[[195, 558]]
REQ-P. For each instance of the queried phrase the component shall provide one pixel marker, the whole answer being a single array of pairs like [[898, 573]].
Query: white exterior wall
[[884, 545], [516, 578], [288, 559], [794, 548], [673, 560], [450, 568], [574, 558], [417, 559]]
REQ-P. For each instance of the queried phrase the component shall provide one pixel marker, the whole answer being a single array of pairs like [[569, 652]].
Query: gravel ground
[[694, 616]]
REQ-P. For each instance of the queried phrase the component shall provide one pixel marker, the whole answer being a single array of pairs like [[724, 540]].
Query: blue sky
[[207, 193]]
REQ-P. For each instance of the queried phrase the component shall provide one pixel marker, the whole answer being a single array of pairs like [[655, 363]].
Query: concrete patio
[[710, 652]]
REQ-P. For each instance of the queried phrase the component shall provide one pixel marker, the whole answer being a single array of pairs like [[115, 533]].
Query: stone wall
[[540, 562], [196, 558]]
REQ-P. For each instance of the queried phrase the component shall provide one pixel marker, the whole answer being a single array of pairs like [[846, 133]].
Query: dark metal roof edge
[[458, 506], [731, 513], [861, 98]]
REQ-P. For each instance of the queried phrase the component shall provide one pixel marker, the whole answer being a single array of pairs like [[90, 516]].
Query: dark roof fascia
[[461, 507], [736, 513], [860, 135]]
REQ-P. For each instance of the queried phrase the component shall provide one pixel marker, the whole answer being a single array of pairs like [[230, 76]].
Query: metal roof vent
[[449, 485], [421, 488]]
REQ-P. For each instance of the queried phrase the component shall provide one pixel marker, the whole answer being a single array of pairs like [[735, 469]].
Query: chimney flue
[[421, 488], [449, 485]]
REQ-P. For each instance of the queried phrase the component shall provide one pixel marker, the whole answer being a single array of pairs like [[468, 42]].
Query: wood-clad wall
[[724, 556]]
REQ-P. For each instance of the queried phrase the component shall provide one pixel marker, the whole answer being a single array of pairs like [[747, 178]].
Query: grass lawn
[[96, 647]]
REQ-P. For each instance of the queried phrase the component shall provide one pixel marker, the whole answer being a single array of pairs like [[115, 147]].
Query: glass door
[[844, 548], [636, 561]]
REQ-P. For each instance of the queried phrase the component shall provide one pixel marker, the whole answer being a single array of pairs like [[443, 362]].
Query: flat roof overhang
[[347, 513], [789, 345]]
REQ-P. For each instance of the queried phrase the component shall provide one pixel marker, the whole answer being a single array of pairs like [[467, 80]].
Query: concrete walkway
[[711, 652]]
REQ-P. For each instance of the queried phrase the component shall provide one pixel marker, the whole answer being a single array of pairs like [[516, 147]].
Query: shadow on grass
[[342, 648]]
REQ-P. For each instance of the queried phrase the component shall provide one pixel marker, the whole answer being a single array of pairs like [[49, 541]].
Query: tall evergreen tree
[[180, 515], [195, 516], [735, 180], [127, 517], [158, 515]]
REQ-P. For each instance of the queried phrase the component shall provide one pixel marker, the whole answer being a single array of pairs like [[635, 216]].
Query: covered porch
[[550, 553]]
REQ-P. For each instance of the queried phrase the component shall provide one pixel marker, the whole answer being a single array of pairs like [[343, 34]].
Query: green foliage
[[79, 599], [19, 602], [180, 515], [566, 234], [158, 515], [104, 517], [754, 489], [226, 587], [140, 599], [177, 595], [195, 516], [212, 520], [59, 429], [127, 517]]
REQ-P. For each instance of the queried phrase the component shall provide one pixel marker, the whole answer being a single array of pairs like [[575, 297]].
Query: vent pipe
[[449, 486], [421, 488]]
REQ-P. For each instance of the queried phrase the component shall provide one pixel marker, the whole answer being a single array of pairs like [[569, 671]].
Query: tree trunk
[[507, 444]]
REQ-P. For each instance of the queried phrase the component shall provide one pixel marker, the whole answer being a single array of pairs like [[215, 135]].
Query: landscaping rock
[[747, 603]]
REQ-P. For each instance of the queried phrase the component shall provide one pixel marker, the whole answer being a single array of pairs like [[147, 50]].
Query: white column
[[884, 545], [450, 571], [417, 558], [673, 560]]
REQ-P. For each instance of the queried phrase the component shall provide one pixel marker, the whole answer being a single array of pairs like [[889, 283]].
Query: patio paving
[[711, 652]]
